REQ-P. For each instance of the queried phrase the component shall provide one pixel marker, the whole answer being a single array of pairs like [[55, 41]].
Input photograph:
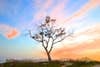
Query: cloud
[[12, 34], [40, 14], [79, 51], [85, 34], [58, 8], [8, 31], [82, 44], [86, 7], [57, 11], [92, 53], [43, 4], [47, 4]]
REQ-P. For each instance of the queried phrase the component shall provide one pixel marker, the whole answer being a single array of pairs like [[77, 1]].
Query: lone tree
[[49, 35]]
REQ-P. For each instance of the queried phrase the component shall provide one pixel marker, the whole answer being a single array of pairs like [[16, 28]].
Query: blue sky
[[21, 15]]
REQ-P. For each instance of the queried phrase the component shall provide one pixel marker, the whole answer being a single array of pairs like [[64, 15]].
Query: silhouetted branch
[[59, 40], [51, 46], [30, 33], [49, 35], [62, 38], [47, 42]]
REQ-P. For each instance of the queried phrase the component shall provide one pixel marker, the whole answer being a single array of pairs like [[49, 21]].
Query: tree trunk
[[49, 57]]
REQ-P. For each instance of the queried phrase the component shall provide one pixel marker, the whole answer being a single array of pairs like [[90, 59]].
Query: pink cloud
[[58, 8], [58, 12], [86, 7], [47, 4], [39, 15], [8, 31]]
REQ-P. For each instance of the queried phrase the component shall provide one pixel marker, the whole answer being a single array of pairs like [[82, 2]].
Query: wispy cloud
[[78, 51], [40, 14], [83, 10], [58, 11], [81, 42], [8, 31], [58, 8]]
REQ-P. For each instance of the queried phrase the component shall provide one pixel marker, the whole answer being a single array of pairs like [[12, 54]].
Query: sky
[[80, 16]]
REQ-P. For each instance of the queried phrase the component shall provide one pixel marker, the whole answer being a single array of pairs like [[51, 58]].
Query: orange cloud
[[79, 51], [12, 34], [85, 43], [86, 46], [8, 31], [92, 53]]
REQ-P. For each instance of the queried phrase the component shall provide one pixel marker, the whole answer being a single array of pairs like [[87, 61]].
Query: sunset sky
[[80, 16]]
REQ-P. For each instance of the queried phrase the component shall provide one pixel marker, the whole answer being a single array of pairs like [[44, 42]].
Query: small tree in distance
[[49, 35]]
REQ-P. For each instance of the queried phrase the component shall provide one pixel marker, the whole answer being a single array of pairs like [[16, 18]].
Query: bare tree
[[49, 35]]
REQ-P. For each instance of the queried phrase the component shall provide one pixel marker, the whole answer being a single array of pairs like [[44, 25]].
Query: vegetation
[[51, 64]]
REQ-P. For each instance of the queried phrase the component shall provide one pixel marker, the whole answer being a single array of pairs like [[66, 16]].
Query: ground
[[52, 64]]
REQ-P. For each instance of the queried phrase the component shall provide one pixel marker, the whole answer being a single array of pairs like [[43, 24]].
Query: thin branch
[[43, 41], [59, 40], [62, 39], [33, 36], [38, 40], [30, 33], [51, 45], [47, 42]]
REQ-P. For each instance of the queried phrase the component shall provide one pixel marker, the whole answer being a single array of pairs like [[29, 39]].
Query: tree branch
[[61, 39], [51, 48], [38, 40], [47, 42], [51, 45], [30, 33]]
